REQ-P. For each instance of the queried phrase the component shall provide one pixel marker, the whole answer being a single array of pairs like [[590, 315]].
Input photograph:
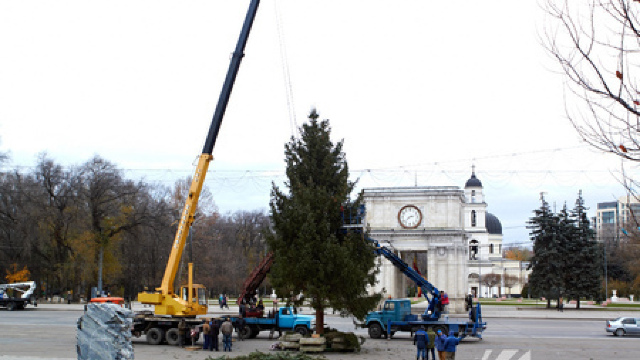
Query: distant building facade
[[446, 233], [614, 218]]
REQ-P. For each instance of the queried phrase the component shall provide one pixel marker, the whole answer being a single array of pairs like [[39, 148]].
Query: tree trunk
[[578, 302], [549, 303], [320, 320]]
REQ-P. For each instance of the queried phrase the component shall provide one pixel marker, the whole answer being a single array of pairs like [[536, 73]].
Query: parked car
[[623, 326]]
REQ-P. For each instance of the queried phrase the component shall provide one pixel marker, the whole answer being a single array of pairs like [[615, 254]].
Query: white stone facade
[[439, 242], [453, 242]]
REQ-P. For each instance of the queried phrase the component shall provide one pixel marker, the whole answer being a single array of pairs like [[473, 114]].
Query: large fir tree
[[566, 260], [585, 272], [566, 234], [311, 253], [546, 277]]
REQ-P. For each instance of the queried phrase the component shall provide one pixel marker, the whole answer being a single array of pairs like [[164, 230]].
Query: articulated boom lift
[[191, 301], [253, 281], [433, 311]]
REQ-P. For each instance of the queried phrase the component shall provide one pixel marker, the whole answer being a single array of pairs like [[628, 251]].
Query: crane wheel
[[155, 336], [172, 336]]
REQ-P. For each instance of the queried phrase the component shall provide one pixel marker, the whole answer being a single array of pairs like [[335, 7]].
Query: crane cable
[[286, 73]]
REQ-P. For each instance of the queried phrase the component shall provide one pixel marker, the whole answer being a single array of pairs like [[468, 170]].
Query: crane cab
[[198, 294], [190, 301]]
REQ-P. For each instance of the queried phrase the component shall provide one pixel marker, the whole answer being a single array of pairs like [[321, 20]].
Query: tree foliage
[[520, 254], [566, 260], [55, 219], [14, 275], [597, 45], [584, 276], [312, 255]]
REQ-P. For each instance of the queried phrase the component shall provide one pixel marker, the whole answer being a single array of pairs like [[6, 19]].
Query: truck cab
[[393, 310], [288, 319], [396, 316], [285, 319]]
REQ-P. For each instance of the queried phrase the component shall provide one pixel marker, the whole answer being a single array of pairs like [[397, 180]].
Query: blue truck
[[396, 314], [285, 319]]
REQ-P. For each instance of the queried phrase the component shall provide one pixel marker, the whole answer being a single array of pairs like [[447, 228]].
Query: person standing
[[440, 339], [420, 340], [206, 332], [242, 309], [227, 330], [215, 332], [431, 344], [221, 301], [469, 302], [450, 346], [182, 332], [240, 324], [445, 302]]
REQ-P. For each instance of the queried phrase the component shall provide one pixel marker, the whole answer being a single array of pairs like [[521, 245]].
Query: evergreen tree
[[546, 263], [566, 249], [585, 271], [566, 260], [311, 253]]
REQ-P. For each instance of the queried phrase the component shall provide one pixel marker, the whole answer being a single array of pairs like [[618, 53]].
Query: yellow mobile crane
[[191, 300]]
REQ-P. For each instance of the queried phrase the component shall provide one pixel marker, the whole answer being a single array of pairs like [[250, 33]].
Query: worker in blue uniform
[[420, 340]]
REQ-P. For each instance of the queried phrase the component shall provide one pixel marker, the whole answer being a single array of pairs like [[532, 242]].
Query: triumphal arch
[[430, 229]]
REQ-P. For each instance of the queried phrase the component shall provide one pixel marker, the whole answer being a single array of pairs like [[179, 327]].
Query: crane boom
[[166, 301], [189, 211]]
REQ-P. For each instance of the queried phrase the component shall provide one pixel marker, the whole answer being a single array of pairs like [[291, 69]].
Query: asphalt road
[[50, 333]]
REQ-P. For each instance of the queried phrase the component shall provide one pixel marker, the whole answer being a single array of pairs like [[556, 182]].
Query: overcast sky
[[418, 89]]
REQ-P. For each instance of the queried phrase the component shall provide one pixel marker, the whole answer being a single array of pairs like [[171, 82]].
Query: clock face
[[410, 217]]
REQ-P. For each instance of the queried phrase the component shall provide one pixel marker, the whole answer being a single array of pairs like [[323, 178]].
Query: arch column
[[449, 271]]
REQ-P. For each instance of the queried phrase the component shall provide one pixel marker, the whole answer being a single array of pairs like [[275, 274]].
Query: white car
[[624, 325]]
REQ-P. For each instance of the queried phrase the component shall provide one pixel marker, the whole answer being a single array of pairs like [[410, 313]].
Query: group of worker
[[428, 342], [211, 330], [253, 308]]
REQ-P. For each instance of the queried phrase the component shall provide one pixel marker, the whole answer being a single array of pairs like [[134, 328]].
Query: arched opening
[[473, 250]]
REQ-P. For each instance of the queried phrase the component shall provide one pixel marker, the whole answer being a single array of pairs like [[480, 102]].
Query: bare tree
[[17, 233], [491, 280], [510, 281], [597, 45], [56, 204], [228, 247], [112, 208]]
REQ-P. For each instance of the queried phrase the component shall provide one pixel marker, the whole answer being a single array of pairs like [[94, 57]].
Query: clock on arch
[[410, 217]]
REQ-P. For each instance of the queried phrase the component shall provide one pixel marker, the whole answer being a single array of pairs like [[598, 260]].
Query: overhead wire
[[437, 173], [286, 73]]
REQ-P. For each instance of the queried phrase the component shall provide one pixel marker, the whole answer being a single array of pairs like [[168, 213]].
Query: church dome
[[473, 181], [492, 224]]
